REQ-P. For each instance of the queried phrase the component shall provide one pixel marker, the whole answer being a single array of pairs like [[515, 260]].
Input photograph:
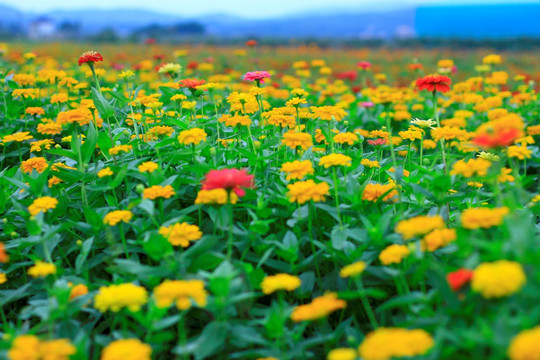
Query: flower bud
[[212, 151], [257, 144], [139, 188]]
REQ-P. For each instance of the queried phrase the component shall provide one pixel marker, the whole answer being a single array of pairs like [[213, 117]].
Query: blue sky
[[243, 8]]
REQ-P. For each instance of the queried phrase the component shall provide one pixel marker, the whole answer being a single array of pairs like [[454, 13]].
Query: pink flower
[[367, 104], [257, 76], [364, 65]]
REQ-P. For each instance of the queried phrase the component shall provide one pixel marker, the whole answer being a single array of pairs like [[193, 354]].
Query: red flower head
[[257, 76], [377, 142], [503, 138], [251, 43], [459, 278], [159, 57], [3, 256], [364, 65], [192, 65], [228, 179], [90, 57], [416, 66], [191, 83], [439, 83], [347, 75], [150, 41]]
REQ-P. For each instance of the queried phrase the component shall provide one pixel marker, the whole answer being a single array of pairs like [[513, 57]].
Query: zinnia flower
[[277, 282], [181, 234], [439, 83], [257, 76], [90, 57], [524, 346], [127, 349], [181, 292], [498, 279], [229, 179], [390, 343], [320, 307], [459, 278]]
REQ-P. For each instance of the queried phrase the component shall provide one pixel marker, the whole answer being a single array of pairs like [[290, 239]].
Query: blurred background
[[503, 24]]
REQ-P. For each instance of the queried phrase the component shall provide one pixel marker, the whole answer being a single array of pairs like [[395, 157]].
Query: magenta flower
[[257, 76]]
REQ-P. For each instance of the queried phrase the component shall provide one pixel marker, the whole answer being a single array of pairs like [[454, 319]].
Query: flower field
[[265, 203]]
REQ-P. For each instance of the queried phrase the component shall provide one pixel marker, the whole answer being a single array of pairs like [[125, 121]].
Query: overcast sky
[[243, 8]]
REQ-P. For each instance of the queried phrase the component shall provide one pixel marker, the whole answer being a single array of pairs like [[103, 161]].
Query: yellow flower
[[114, 217], [303, 191], [42, 269], [449, 133], [353, 269], [520, 152], [419, 225], [3, 278], [117, 297], [44, 204], [320, 307], [120, 148], [373, 192], [215, 196], [471, 167], [158, 191], [78, 290], [335, 160], [105, 172], [148, 167], [296, 139], [36, 163], [126, 349], [342, 354], [181, 233], [390, 343], [394, 254], [49, 128], [498, 279], [192, 136], [438, 238], [476, 218], [423, 123], [180, 292], [38, 146], [18, 137], [370, 164], [524, 346], [329, 113], [492, 59], [297, 170], [235, 120], [277, 282], [345, 138], [29, 347]]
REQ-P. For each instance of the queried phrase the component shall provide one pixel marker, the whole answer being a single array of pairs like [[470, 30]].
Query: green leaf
[[103, 107]]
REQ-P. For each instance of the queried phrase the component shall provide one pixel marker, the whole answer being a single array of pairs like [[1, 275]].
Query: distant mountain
[[122, 20]]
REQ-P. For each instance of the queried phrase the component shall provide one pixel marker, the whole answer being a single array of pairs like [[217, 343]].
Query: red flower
[[3, 256], [416, 66], [502, 138], [229, 179], [459, 278], [192, 65], [347, 75], [251, 43], [90, 57], [191, 83], [377, 142], [434, 83], [159, 57], [150, 41]]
